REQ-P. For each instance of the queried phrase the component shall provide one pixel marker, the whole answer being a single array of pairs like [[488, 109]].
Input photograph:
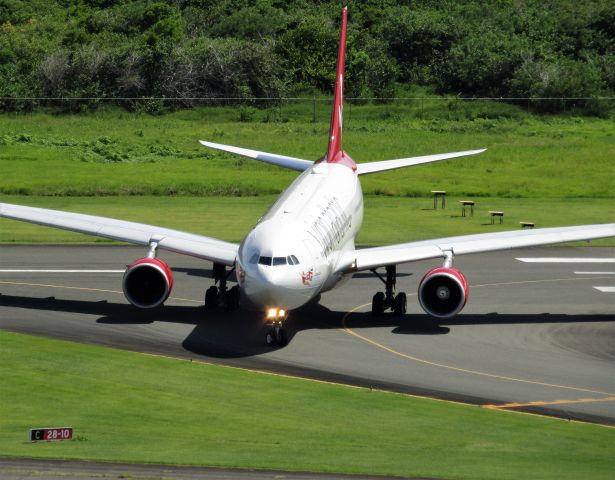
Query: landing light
[[275, 313]]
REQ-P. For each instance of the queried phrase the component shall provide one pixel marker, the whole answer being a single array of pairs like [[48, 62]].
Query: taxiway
[[535, 336]]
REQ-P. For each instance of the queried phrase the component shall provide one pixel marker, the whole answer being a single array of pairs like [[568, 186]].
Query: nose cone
[[276, 265], [281, 286]]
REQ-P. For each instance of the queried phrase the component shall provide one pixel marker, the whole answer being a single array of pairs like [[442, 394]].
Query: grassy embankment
[[136, 408], [386, 219], [550, 170]]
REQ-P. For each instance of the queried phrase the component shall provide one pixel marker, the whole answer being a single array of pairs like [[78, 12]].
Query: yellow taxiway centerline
[[349, 331], [66, 287], [505, 407], [553, 402]]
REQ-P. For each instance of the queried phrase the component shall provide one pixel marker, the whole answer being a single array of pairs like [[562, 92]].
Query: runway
[[536, 336]]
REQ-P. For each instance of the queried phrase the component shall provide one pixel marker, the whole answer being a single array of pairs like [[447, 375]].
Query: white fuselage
[[291, 255]]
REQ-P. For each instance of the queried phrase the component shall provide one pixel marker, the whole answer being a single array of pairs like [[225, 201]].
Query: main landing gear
[[382, 301], [275, 334], [220, 296]]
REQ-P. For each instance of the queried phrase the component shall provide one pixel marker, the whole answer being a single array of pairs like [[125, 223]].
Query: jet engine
[[443, 292], [147, 282]]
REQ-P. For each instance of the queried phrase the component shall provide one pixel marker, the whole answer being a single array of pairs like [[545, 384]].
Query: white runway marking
[[606, 289], [566, 260], [594, 273], [62, 271]]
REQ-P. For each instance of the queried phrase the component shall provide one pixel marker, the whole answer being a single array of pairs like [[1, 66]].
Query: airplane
[[304, 244]]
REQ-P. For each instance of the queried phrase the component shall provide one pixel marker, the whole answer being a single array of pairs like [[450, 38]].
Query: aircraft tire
[[378, 304], [211, 298], [400, 303], [271, 338], [232, 299]]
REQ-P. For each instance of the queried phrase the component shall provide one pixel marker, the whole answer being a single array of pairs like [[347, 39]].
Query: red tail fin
[[334, 152]]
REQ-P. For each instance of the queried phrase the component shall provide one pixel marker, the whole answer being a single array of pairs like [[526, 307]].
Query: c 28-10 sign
[[51, 434]]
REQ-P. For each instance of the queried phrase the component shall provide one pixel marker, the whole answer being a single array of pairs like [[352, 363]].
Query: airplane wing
[[373, 167], [280, 160], [362, 168], [137, 233], [368, 258]]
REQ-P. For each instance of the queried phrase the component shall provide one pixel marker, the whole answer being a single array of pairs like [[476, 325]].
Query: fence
[[317, 109]]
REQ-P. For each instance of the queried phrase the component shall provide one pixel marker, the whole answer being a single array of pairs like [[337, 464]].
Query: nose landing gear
[[220, 296], [275, 334], [382, 301]]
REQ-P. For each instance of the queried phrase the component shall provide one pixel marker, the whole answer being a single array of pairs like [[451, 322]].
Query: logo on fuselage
[[306, 277]]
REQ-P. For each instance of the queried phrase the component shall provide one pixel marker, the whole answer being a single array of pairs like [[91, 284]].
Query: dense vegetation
[[272, 48]]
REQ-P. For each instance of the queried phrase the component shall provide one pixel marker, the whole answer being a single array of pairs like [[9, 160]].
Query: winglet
[[334, 152]]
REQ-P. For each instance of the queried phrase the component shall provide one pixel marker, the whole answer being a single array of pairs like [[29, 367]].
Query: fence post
[[314, 109], [349, 111]]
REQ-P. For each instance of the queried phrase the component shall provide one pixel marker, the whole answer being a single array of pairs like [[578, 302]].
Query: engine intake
[[147, 282], [443, 292]]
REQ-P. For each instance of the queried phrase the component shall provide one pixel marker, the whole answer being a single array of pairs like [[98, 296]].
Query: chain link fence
[[318, 109]]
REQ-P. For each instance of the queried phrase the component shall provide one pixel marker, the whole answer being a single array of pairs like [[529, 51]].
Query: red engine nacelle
[[443, 292], [147, 282]]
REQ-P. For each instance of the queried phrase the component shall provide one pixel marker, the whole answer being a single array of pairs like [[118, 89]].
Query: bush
[[557, 78], [308, 52], [266, 48], [370, 72], [481, 63], [246, 114], [417, 38]]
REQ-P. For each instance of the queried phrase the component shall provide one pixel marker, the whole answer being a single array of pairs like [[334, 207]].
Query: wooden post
[[314, 109]]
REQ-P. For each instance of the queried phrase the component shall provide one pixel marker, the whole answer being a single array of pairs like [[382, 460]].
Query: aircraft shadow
[[228, 335], [202, 273], [422, 324], [371, 275], [218, 334]]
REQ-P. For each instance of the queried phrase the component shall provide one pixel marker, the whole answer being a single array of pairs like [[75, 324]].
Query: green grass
[[112, 152], [130, 407], [386, 219], [552, 170]]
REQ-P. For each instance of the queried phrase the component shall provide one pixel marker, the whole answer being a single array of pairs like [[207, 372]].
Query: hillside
[[183, 49]]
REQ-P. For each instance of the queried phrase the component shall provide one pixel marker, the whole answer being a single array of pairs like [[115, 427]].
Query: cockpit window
[[279, 261], [254, 259], [265, 260], [276, 261]]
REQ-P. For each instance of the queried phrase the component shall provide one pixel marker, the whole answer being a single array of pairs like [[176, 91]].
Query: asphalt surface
[[534, 337], [17, 469]]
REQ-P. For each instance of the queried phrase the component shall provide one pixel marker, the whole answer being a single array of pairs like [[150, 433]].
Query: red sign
[[51, 434]]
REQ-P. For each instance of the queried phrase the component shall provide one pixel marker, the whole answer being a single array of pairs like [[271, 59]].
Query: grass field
[[386, 219], [131, 407], [555, 170], [112, 152]]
